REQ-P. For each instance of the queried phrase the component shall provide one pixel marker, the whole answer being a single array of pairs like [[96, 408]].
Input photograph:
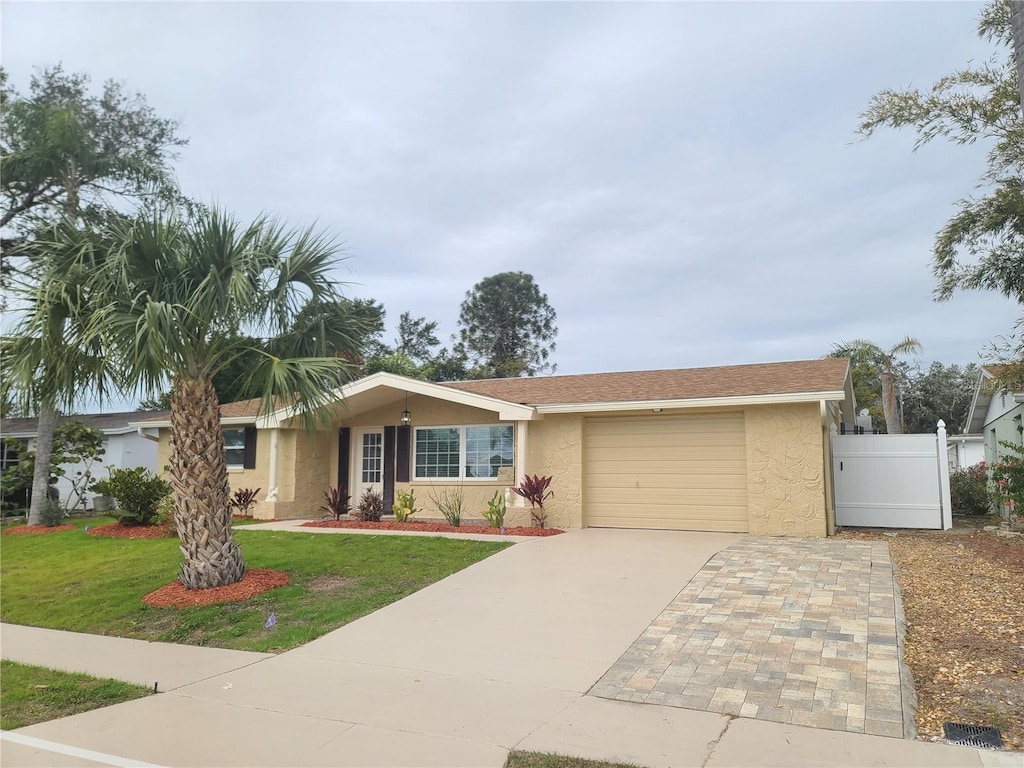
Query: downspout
[[826, 450], [142, 433], [274, 450], [521, 430]]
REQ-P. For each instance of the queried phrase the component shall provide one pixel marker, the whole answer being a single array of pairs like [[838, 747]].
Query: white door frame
[[359, 453]]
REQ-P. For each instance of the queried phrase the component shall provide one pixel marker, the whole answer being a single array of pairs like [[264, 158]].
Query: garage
[[674, 472]]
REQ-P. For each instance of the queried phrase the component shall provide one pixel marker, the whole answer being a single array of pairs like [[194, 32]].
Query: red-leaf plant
[[244, 499], [535, 490], [335, 501]]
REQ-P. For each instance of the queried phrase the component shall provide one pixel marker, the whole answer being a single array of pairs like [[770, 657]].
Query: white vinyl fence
[[892, 481]]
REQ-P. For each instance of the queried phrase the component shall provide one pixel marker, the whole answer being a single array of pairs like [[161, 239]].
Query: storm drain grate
[[980, 736]]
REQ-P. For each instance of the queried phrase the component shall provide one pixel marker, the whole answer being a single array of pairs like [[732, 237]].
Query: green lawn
[[520, 759], [31, 694], [83, 583]]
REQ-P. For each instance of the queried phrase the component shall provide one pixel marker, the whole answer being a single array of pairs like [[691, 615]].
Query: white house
[[995, 415], [125, 446]]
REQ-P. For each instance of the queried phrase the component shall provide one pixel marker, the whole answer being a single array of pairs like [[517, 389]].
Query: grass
[[520, 759], [82, 583], [30, 694]]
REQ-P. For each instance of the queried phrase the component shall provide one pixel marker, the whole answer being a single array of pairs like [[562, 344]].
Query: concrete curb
[[908, 692]]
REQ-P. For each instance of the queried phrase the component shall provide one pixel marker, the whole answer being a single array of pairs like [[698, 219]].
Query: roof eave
[[693, 402]]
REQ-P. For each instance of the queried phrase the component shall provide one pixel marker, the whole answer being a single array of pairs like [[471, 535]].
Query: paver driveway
[[794, 631]]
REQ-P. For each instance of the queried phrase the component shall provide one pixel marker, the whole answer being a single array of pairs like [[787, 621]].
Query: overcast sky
[[682, 179]]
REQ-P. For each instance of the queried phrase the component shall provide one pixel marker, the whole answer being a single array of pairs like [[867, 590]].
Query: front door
[[368, 462]]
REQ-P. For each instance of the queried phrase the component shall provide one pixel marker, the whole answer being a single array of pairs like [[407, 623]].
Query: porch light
[[406, 416]]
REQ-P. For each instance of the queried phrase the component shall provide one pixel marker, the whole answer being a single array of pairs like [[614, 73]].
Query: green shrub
[[138, 492], [53, 513], [371, 506], [405, 506], [1008, 482], [968, 490], [495, 512]]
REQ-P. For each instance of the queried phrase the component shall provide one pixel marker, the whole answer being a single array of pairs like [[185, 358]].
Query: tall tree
[[64, 154], [417, 337], [939, 392], [1017, 24], [507, 327], [174, 296], [884, 363], [982, 245]]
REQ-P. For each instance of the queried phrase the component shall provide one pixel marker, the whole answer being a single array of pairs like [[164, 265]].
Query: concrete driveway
[[497, 656]]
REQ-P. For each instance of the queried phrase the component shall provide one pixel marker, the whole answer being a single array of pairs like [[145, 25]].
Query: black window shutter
[[249, 455], [389, 468], [402, 455], [344, 438]]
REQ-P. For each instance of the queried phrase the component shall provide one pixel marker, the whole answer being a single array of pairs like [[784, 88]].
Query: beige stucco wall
[[785, 470], [555, 447]]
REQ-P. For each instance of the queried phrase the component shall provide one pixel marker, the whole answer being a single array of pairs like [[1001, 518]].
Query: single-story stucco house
[[737, 448]]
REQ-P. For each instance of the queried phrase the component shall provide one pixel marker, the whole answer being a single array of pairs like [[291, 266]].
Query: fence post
[[943, 456]]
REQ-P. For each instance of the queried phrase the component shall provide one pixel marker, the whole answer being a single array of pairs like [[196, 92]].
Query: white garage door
[[677, 472]]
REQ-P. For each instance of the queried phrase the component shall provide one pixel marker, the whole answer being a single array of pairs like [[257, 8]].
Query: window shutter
[[402, 454], [389, 468], [344, 439], [249, 456]]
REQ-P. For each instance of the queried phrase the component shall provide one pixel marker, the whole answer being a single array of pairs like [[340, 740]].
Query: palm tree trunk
[[892, 418], [41, 475], [199, 479]]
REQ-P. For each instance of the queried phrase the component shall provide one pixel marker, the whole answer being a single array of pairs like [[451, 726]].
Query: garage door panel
[[681, 473]]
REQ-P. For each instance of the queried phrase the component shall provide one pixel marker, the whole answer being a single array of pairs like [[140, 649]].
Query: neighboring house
[[965, 451], [995, 415], [124, 446], [737, 448]]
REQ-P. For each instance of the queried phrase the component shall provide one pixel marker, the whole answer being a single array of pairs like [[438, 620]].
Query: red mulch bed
[[391, 525], [256, 581], [119, 531], [34, 530]]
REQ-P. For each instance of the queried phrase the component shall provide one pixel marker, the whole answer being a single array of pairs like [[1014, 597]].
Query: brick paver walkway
[[796, 631]]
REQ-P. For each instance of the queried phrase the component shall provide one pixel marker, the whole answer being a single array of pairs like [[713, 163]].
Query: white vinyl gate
[[892, 481]]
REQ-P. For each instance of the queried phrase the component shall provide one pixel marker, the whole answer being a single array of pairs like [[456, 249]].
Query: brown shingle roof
[[827, 375], [94, 420]]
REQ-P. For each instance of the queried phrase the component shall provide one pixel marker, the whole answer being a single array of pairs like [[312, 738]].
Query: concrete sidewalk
[[500, 655]]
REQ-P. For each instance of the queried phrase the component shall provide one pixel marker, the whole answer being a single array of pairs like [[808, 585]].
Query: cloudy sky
[[682, 179]]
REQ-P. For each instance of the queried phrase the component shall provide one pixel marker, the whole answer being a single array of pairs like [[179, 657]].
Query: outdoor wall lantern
[[406, 416]]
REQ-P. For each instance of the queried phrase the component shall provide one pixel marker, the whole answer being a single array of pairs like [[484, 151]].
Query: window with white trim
[[234, 448], [463, 453]]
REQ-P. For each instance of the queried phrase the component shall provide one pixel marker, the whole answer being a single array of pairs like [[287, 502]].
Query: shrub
[[1008, 481], [138, 493], [449, 502], [405, 506], [244, 499], [53, 513], [371, 506], [495, 512], [968, 490], [535, 490], [335, 502]]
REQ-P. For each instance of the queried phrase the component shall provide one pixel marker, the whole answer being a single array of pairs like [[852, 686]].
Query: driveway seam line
[[712, 746]]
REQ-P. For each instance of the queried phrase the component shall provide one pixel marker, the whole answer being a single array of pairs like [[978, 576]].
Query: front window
[[477, 452], [234, 448]]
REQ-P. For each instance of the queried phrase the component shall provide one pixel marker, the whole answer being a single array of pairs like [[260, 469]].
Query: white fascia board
[[696, 402], [506, 411], [226, 421]]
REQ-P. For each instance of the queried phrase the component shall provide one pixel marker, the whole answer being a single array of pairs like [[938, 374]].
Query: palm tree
[[178, 298], [883, 362], [48, 357]]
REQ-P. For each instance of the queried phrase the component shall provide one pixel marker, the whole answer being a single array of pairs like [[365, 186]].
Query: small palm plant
[[535, 490]]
